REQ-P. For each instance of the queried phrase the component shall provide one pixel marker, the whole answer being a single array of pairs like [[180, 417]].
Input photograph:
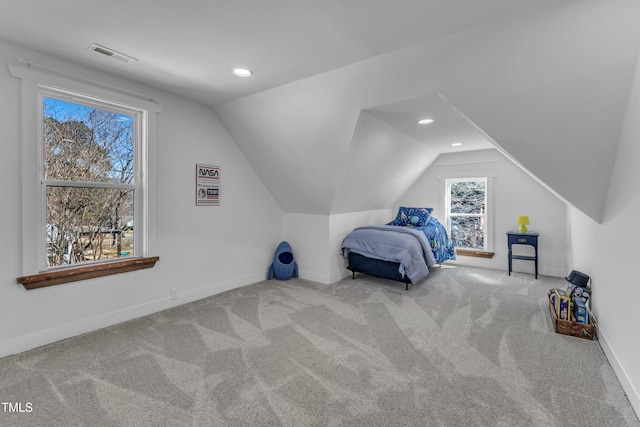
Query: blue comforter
[[404, 245], [442, 245]]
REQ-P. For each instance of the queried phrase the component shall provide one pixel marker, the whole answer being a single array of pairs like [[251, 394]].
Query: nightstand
[[517, 238]]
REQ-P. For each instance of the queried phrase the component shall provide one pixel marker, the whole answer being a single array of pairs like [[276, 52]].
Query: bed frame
[[375, 267]]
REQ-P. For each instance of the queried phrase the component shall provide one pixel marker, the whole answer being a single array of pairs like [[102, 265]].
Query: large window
[[89, 179], [466, 204]]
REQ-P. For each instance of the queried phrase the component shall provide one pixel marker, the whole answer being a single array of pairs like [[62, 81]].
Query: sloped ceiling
[[549, 88], [327, 119], [390, 150], [190, 47]]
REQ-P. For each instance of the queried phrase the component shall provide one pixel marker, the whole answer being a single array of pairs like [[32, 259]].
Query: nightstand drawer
[[523, 239]]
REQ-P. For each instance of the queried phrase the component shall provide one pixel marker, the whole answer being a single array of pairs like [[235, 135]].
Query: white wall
[[202, 250], [308, 236], [608, 253], [316, 241], [514, 193], [374, 174]]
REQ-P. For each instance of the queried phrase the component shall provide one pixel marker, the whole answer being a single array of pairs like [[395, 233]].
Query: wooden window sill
[[478, 254], [74, 274]]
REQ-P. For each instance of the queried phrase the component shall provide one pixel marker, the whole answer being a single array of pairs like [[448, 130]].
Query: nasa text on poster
[[207, 185]]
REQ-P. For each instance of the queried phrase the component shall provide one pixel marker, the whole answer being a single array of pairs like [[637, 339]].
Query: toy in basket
[[579, 292], [561, 302], [283, 266]]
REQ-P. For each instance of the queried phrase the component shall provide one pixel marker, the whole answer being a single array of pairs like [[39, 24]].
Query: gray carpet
[[465, 347]]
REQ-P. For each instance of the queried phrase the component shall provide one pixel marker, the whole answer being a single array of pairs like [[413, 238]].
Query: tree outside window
[[467, 212], [88, 155]]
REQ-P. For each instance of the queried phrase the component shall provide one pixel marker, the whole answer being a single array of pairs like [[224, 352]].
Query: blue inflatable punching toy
[[284, 266]]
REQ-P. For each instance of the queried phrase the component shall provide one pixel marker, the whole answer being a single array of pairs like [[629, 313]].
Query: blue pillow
[[416, 217]]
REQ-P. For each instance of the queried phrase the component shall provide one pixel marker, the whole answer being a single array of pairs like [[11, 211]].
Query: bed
[[402, 250]]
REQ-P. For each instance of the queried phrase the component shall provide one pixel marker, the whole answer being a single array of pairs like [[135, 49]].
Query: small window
[[467, 213], [89, 178]]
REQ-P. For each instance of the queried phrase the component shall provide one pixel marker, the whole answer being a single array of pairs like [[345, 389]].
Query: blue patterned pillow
[[417, 217]]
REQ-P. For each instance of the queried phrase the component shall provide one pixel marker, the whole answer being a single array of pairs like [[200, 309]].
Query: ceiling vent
[[112, 53]]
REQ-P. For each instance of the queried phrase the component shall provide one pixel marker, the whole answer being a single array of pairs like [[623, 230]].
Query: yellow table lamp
[[523, 221]]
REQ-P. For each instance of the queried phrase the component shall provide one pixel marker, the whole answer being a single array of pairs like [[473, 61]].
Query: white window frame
[[35, 84], [481, 173]]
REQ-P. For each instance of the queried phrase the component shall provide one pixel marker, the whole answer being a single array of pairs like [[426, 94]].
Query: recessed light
[[425, 121], [242, 72], [456, 144]]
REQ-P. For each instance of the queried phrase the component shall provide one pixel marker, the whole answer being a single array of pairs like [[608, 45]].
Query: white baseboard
[[209, 290], [553, 272], [525, 268], [324, 278], [342, 275], [61, 332], [314, 277], [627, 385]]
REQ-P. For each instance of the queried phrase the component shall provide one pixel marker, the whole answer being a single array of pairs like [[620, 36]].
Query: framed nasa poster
[[207, 185]]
